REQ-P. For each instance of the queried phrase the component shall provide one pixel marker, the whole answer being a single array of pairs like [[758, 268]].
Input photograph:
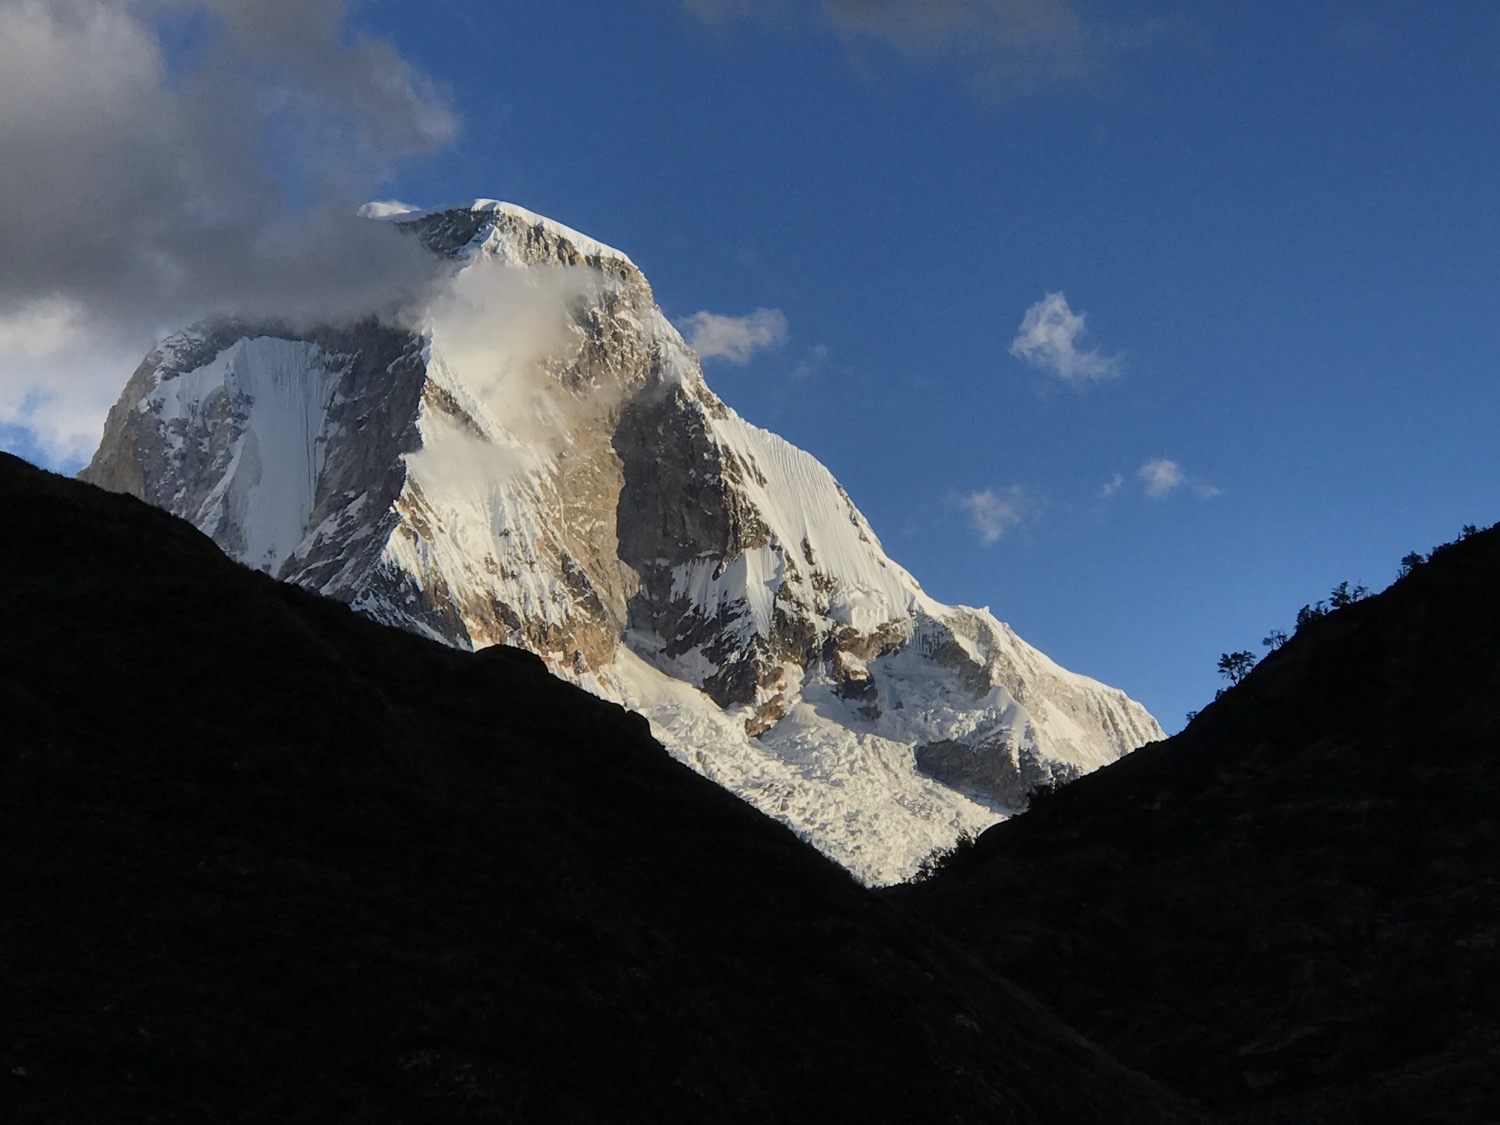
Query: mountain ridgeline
[[540, 463]]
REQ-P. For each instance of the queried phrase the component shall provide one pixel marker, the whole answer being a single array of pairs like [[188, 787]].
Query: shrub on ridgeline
[[1468, 531], [1310, 613], [1235, 666], [1342, 596]]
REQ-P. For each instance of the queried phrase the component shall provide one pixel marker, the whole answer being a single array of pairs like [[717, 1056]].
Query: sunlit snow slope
[[540, 463]]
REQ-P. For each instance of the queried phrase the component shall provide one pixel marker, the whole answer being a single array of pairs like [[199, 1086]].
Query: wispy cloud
[[1020, 43], [1052, 339], [735, 338], [993, 513], [812, 363], [1113, 485], [1003, 47]]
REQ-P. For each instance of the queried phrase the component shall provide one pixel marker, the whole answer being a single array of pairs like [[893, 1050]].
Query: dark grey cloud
[[133, 192], [395, 109]]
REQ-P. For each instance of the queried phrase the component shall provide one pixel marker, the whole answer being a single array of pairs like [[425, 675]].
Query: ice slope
[[542, 464], [808, 512]]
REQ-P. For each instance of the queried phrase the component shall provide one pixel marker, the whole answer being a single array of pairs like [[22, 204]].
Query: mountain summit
[[540, 463]]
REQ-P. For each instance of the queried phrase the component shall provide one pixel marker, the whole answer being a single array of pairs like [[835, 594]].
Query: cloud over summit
[[151, 148], [135, 183]]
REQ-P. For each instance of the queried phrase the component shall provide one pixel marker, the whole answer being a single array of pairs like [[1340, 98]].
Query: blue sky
[[1278, 224]]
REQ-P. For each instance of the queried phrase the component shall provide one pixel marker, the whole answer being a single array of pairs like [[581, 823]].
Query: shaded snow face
[[272, 395], [543, 465]]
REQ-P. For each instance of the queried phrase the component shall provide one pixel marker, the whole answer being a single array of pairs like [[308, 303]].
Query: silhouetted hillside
[[1292, 909], [262, 860]]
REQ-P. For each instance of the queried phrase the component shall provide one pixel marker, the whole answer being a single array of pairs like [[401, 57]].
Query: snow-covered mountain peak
[[542, 464], [503, 215]]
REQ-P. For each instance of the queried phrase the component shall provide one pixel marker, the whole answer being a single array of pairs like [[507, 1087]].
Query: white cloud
[[735, 338], [385, 209], [1161, 476], [1113, 485], [994, 513], [59, 374], [1051, 339]]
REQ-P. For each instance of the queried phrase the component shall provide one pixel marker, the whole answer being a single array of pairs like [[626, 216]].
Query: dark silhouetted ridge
[[263, 860], [1292, 909]]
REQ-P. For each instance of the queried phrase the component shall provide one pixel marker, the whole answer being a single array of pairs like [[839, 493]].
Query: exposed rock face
[[542, 464]]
